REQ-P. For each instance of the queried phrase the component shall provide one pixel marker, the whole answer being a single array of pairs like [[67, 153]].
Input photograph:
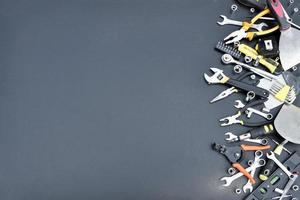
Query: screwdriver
[[254, 133], [270, 166], [259, 4]]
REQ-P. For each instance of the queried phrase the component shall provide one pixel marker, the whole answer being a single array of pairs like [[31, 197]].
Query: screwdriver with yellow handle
[[249, 51]]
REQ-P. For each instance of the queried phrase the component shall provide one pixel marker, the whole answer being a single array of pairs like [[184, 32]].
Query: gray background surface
[[105, 99]]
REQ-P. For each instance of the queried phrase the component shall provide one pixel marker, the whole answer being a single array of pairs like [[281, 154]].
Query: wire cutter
[[234, 154], [238, 35]]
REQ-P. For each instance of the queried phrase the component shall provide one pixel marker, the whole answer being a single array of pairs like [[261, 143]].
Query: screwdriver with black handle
[[258, 4], [253, 133], [271, 166]]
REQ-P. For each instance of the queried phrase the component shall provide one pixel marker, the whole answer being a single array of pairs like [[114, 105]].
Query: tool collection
[[263, 54]]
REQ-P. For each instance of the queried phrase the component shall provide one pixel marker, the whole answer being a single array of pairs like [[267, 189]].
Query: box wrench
[[229, 179], [292, 176], [234, 155], [257, 162], [285, 91]]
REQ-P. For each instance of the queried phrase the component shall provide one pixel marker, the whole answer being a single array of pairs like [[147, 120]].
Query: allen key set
[[263, 53]]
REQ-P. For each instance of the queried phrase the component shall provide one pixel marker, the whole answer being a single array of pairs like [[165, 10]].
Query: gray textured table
[[105, 100]]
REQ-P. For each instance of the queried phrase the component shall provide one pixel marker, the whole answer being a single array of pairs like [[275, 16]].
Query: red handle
[[280, 14], [239, 167]]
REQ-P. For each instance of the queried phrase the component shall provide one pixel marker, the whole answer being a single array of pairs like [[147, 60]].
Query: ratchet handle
[[259, 4], [239, 167], [247, 87], [254, 148], [263, 130], [280, 14]]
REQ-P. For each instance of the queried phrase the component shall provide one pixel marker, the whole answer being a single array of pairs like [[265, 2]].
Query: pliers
[[238, 35], [234, 155], [234, 119]]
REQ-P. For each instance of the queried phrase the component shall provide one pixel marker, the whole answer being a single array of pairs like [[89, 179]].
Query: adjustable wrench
[[225, 21], [220, 77]]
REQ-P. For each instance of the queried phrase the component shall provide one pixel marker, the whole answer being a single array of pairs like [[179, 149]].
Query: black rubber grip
[[278, 11], [263, 130], [259, 4], [247, 87]]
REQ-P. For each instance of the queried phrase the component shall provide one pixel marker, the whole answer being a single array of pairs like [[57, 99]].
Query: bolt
[[252, 10], [295, 10], [291, 2], [253, 77], [294, 68], [233, 8], [238, 191]]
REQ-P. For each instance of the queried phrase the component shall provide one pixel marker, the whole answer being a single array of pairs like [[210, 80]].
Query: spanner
[[257, 161], [229, 179], [272, 156], [250, 111], [239, 104], [225, 21]]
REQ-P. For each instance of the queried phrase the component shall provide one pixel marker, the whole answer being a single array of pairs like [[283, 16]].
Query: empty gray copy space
[[106, 100]]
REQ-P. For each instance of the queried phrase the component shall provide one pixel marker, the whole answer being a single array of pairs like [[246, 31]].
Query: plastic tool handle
[[239, 167], [270, 166], [254, 148], [278, 10], [259, 4], [247, 87], [263, 130]]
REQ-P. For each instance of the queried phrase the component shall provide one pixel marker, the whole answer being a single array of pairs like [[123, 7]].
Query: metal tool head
[[231, 120], [216, 77], [260, 27], [231, 137], [232, 153], [224, 20], [227, 59], [287, 123], [289, 47], [235, 36], [224, 94], [239, 104]]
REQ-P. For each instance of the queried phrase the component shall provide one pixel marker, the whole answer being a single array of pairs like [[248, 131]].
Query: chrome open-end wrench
[[225, 21], [272, 156], [250, 111], [229, 179], [239, 104], [257, 162]]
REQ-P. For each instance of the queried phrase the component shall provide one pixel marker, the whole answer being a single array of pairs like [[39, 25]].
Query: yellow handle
[[248, 51], [247, 25]]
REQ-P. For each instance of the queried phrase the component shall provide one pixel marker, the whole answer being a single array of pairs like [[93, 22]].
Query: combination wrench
[[272, 156], [228, 180], [250, 111], [257, 161], [228, 21]]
